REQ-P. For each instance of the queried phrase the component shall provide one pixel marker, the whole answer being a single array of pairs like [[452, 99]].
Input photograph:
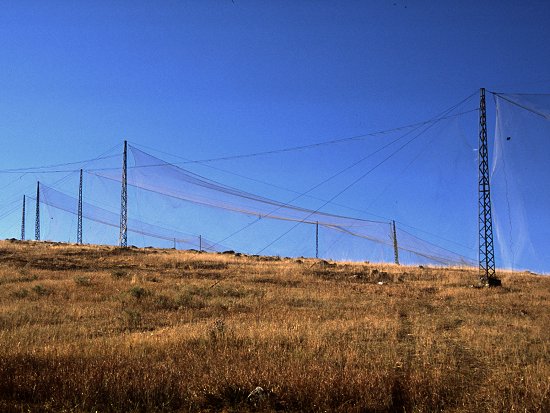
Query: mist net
[[519, 181], [246, 221], [334, 200], [97, 216]]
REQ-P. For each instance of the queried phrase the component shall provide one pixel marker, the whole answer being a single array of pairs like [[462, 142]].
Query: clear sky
[[202, 79]]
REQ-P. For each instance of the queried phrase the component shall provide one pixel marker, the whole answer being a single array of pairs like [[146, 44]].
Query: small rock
[[257, 395]]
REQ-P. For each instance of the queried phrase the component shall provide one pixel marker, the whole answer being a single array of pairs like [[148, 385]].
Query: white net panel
[[423, 177], [61, 201], [349, 237], [519, 181]]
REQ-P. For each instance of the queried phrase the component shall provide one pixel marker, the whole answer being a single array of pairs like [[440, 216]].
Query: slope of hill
[[86, 328]]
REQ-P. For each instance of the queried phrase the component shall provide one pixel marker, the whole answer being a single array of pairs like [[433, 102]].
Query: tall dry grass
[[89, 328]]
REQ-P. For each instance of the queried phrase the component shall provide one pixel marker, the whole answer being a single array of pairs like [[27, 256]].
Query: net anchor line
[[527, 108], [362, 176], [323, 143]]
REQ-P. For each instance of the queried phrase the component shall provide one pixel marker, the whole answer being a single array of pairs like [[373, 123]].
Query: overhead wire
[[39, 169], [313, 145], [334, 176], [367, 173], [301, 194], [62, 179], [503, 96]]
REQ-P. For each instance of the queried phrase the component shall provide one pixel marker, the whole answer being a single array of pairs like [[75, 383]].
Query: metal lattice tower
[[79, 222], [395, 248], [486, 245], [124, 200], [23, 221], [37, 221]]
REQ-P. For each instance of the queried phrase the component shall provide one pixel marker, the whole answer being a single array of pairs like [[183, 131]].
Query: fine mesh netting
[[63, 202], [520, 174], [349, 237], [336, 200]]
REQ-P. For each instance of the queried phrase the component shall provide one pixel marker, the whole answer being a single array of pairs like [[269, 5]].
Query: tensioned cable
[[303, 147], [418, 125], [323, 200], [187, 161], [300, 195], [409, 164], [198, 180], [435, 245], [313, 145], [99, 157], [11, 210], [339, 173], [437, 258], [342, 191], [542, 114], [275, 151], [38, 169], [368, 172], [342, 171]]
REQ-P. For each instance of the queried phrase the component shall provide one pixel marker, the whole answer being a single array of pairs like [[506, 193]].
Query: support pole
[[486, 246], [317, 239], [23, 221], [79, 222], [123, 239], [37, 220], [395, 246], [200, 243]]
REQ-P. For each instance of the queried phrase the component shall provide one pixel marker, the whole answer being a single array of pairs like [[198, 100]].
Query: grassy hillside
[[86, 328]]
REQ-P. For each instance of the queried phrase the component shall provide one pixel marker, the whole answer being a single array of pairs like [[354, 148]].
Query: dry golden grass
[[90, 328]]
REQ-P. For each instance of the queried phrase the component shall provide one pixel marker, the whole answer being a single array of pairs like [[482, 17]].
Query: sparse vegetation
[[39, 289], [83, 280], [165, 330]]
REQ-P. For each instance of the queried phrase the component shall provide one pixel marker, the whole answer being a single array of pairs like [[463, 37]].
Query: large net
[[414, 187], [156, 176], [97, 215]]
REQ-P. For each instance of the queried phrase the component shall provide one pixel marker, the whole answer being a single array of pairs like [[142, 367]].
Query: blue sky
[[203, 79]]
